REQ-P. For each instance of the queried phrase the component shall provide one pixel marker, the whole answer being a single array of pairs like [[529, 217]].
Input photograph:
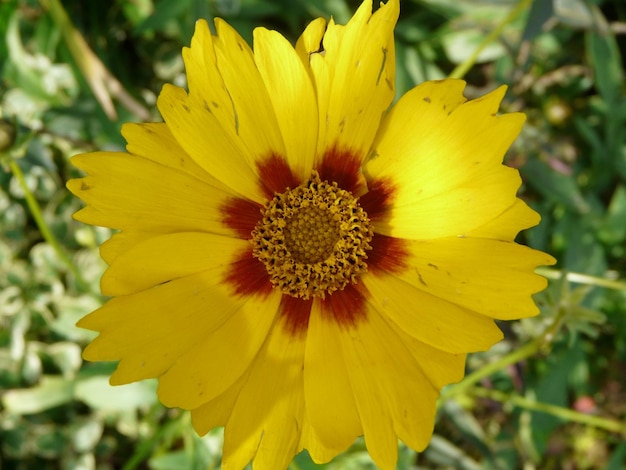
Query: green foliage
[[550, 396]]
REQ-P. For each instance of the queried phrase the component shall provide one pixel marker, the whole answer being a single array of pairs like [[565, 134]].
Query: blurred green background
[[551, 396]]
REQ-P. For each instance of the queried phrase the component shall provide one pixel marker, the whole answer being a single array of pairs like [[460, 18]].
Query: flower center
[[313, 239], [311, 234]]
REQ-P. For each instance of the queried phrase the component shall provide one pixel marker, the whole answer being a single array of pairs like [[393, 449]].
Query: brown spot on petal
[[295, 313], [342, 167], [276, 176], [248, 276], [376, 202], [241, 215], [346, 307], [388, 254]]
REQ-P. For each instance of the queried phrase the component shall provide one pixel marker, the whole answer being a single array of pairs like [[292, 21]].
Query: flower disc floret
[[313, 239]]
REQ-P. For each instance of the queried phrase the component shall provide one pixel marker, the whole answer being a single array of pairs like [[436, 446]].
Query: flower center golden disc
[[313, 239]]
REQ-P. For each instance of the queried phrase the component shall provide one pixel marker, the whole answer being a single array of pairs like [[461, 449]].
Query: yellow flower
[[296, 262]]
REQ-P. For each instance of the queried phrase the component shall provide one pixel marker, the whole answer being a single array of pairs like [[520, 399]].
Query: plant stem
[[581, 278], [465, 66], [45, 231], [558, 411]]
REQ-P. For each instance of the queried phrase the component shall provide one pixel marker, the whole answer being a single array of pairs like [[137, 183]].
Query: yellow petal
[[217, 411], [257, 126], [507, 225], [490, 277], [202, 135], [147, 332], [204, 80], [167, 257], [428, 106], [213, 363], [131, 193], [292, 95], [441, 368], [328, 394], [310, 40], [444, 167], [360, 64], [121, 242], [393, 396], [309, 47], [425, 375], [266, 422], [319, 451], [218, 123], [454, 213], [154, 141], [430, 319]]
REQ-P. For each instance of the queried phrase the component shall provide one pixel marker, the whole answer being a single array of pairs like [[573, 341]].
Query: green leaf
[[541, 11], [178, 460], [583, 251], [575, 13], [66, 356], [137, 11], [50, 392], [459, 45], [98, 394], [613, 229], [606, 61], [86, 434], [72, 309], [469, 427], [51, 443], [165, 11], [443, 452], [618, 458], [620, 159], [552, 389], [555, 186], [45, 83], [14, 442]]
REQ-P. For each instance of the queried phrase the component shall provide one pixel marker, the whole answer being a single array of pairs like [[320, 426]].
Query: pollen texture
[[313, 239]]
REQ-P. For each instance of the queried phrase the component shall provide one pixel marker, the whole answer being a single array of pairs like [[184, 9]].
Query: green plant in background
[[551, 395]]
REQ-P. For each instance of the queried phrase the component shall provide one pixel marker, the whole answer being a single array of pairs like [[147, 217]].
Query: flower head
[[295, 261]]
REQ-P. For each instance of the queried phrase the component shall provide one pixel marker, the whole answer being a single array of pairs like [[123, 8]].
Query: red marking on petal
[[376, 202], [387, 254], [346, 307], [248, 275], [295, 314], [276, 176], [342, 167], [241, 215]]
